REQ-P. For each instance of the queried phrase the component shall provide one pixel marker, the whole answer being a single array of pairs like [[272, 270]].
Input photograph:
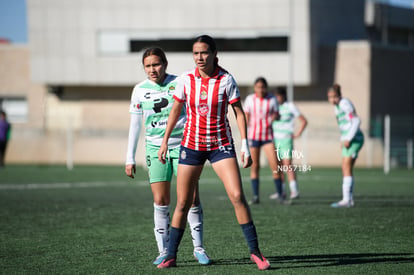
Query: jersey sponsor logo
[[203, 109], [156, 124], [209, 141], [147, 95], [159, 104]]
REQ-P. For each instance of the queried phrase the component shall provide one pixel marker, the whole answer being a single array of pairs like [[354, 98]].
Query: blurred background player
[[352, 140], [4, 136], [152, 100], [261, 110], [283, 134], [207, 92]]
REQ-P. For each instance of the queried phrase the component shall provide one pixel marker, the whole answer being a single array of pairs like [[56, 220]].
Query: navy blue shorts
[[193, 157], [258, 143]]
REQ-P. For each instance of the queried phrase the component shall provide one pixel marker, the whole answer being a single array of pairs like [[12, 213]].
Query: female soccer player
[[261, 110], [152, 100], [352, 140], [283, 134], [207, 91]]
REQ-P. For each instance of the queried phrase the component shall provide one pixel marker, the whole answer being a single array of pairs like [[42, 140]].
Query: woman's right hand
[[162, 153], [130, 170]]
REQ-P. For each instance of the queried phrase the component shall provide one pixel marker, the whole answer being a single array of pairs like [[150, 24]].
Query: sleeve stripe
[[178, 99], [235, 100]]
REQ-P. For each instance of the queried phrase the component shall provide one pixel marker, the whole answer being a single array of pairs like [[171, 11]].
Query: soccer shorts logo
[[148, 161], [225, 149], [183, 154]]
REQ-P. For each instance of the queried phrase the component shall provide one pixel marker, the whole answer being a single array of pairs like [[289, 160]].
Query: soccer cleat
[[167, 263], [343, 204], [255, 200], [261, 262], [284, 201], [274, 196], [160, 258], [201, 255], [294, 195]]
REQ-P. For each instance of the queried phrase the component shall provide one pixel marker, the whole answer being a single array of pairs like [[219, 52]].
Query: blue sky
[[13, 19]]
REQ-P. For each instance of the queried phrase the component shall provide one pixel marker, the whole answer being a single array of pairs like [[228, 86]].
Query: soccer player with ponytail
[[151, 103], [352, 140], [207, 91]]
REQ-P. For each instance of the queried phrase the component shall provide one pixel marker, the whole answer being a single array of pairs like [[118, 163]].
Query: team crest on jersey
[[203, 109], [203, 95], [138, 106], [171, 90], [183, 154]]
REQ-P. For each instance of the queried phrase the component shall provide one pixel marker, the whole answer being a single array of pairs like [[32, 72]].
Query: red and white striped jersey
[[207, 127], [260, 111]]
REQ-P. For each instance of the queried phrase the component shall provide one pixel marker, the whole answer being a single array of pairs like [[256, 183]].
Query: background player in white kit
[[283, 134], [352, 140], [152, 100]]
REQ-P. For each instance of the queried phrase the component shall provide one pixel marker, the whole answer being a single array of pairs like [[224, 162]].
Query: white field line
[[144, 183], [67, 185]]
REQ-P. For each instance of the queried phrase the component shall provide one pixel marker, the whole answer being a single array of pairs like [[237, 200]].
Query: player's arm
[[354, 120], [172, 121], [247, 117], [275, 114], [303, 122], [246, 109], [133, 137], [241, 123]]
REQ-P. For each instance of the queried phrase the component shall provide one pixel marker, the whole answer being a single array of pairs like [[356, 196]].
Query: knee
[[183, 205], [161, 200], [236, 198]]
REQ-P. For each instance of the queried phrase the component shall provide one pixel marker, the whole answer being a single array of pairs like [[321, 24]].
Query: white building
[[88, 56]]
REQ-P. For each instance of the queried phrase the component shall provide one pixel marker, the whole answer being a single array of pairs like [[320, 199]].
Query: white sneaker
[[343, 204], [274, 196], [294, 195]]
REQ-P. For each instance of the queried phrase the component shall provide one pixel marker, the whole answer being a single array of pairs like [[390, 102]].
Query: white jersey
[[284, 127], [348, 121], [154, 102]]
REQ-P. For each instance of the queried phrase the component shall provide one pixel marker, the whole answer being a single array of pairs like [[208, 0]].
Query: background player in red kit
[[261, 110]]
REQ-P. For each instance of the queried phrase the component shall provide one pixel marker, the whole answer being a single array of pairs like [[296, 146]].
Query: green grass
[[95, 220]]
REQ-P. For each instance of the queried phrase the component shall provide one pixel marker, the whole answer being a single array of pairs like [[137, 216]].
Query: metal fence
[[398, 135]]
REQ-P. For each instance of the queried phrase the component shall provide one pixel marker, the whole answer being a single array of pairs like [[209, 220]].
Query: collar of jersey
[[215, 73]]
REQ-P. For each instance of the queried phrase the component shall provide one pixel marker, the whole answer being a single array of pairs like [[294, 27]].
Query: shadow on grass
[[325, 260]]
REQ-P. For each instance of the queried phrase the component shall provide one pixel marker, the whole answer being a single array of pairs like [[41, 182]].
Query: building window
[[16, 109], [262, 44]]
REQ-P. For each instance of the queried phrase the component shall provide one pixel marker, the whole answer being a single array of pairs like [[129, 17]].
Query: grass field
[[95, 220]]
